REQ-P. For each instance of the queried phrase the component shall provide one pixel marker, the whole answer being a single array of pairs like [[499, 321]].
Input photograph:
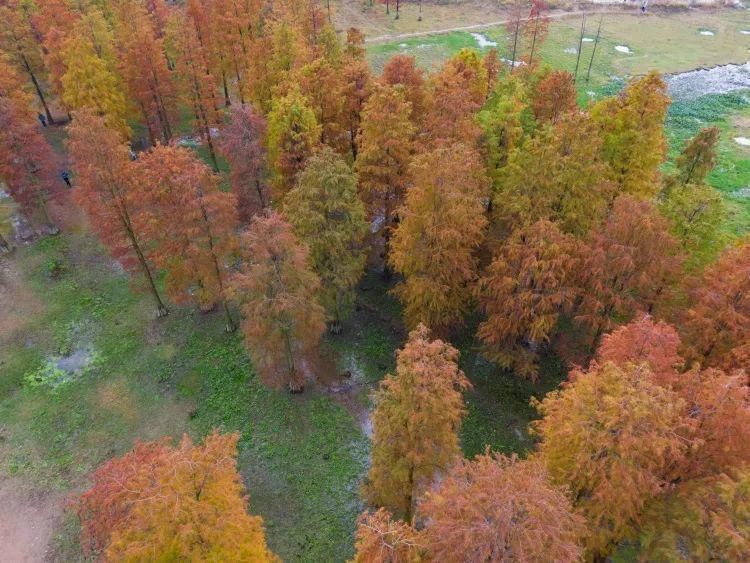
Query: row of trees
[[641, 447]]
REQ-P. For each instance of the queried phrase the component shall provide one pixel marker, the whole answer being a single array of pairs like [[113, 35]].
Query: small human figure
[[133, 155], [42, 119], [643, 6], [66, 178]]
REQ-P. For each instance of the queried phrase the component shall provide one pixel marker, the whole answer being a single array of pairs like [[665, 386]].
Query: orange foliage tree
[[172, 503], [496, 508], [522, 294], [612, 436], [105, 187], [19, 40], [416, 420], [442, 225], [554, 96], [190, 224], [143, 66], [385, 147], [197, 85], [277, 289], [630, 263], [381, 539], [719, 317], [402, 70]]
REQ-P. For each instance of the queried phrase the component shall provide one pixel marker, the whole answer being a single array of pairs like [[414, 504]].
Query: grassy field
[[669, 42], [302, 456]]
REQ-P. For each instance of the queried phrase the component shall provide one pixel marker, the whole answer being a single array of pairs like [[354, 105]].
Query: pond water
[[717, 80], [483, 41], [706, 32], [744, 141], [622, 49]]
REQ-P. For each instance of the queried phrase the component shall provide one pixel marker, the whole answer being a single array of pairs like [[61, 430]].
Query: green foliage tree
[[325, 211], [293, 133]]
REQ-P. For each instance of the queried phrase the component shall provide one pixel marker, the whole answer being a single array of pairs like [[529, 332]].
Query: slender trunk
[[227, 101], [38, 89], [409, 497], [533, 41], [149, 125], [580, 46], [161, 309], [262, 199], [230, 326], [51, 227], [4, 245], [593, 51], [515, 44]]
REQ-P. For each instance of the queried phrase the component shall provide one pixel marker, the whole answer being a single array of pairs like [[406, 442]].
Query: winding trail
[[553, 16]]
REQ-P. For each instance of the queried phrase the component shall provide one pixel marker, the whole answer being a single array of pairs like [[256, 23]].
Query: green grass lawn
[[302, 456], [668, 42]]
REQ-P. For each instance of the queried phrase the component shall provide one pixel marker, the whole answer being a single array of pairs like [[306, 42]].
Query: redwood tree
[[441, 227], [242, 143], [28, 164], [190, 224], [278, 290], [104, 190], [718, 319], [416, 420], [326, 212], [496, 508], [386, 146], [643, 341], [630, 263], [172, 503], [522, 294]]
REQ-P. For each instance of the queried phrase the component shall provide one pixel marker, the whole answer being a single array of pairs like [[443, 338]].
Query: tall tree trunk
[[515, 44], [4, 245], [161, 309], [227, 101], [580, 46], [38, 89]]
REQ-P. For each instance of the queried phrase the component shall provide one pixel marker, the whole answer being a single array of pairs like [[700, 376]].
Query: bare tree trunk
[[4, 245], [593, 52], [580, 45]]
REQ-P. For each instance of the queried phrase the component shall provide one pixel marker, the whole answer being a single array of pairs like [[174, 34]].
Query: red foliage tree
[[630, 263], [656, 344], [496, 508], [28, 165], [190, 224], [104, 190], [283, 321], [719, 318], [242, 143], [403, 70], [554, 96]]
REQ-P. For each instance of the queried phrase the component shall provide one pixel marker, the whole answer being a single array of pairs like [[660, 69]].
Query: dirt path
[[554, 16], [28, 521]]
